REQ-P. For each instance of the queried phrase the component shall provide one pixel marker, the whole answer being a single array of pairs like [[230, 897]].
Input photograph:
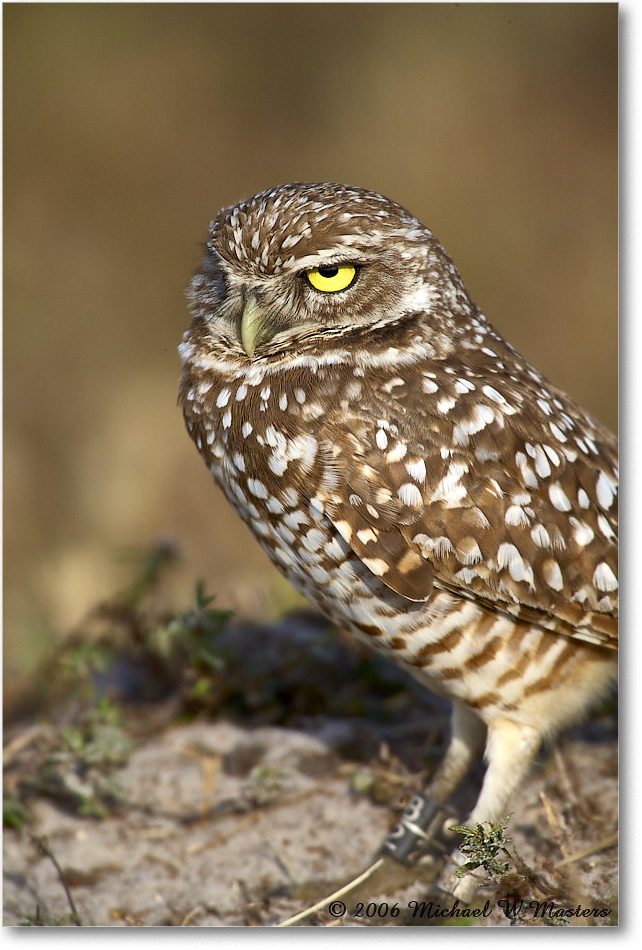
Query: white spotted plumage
[[404, 466]]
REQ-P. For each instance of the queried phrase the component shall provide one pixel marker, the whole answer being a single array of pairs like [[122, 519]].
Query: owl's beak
[[253, 322]]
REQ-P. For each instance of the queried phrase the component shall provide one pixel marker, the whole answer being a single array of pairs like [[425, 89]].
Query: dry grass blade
[[42, 842], [602, 845], [337, 894]]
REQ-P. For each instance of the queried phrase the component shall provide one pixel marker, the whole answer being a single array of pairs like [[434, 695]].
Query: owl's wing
[[506, 519]]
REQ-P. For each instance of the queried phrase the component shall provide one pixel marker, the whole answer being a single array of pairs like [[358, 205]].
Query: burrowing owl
[[407, 470]]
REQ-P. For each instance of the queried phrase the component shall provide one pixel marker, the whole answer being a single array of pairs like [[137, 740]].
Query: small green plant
[[265, 784], [124, 646], [13, 812], [193, 636], [82, 665], [196, 630], [484, 843], [79, 763], [129, 634]]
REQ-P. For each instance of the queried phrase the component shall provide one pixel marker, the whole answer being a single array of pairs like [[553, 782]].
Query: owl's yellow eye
[[331, 278]]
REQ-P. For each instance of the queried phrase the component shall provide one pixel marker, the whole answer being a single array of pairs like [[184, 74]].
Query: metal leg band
[[421, 822]]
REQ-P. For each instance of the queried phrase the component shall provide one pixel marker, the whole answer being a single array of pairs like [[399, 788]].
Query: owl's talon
[[420, 827]]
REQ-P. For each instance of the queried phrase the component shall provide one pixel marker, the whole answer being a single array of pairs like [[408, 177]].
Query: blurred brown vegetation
[[126, 127]]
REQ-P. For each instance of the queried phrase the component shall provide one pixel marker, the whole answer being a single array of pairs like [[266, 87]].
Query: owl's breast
[[262, 440]]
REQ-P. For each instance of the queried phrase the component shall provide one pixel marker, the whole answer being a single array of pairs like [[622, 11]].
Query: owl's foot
[[423, 832], [464, 889], [422, 828]]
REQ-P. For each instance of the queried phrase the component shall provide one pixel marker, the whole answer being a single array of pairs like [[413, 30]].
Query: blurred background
[[126, 128]]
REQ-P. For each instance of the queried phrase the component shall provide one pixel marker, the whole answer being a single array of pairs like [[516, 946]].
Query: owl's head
[[301, 264]]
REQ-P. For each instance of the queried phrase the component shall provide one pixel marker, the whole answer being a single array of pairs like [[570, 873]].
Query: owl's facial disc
[[300, 266], [267, 315]]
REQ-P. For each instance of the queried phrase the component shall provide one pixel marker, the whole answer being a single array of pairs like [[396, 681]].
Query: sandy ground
[[248, 816]]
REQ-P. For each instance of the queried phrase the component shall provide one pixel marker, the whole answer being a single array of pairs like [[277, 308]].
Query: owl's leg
[[466, 740], [510, 750], [425, 815]]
